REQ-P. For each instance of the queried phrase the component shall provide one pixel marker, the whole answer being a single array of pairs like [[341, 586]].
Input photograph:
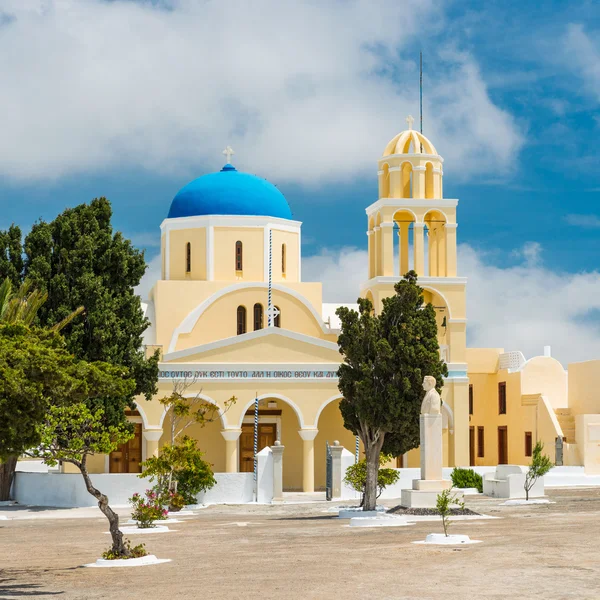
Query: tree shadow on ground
[[22, 590]]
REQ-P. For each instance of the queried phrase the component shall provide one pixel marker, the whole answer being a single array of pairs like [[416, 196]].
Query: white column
[[151, 439], [404, 248], [308, 458], [277, 450], [336, 469], [419, 248], [387, 249], [231, 449]]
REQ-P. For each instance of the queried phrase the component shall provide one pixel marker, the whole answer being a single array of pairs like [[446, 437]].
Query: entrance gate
[[329, 473]]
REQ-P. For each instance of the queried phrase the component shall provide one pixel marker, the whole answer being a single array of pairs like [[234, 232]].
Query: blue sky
[[131, 100]]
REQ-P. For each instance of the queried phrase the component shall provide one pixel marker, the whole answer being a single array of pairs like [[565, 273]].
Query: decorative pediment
[[265, 346]]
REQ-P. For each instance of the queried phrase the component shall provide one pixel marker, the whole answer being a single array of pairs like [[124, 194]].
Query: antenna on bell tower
[[421, 94]]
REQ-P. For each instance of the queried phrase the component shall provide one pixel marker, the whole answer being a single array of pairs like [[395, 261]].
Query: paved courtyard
[[302, 551]]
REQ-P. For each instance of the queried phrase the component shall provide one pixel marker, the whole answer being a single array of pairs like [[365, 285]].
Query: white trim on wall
[[229, 221], [411, 203], [266, 230], [167, 255], [173, 355]]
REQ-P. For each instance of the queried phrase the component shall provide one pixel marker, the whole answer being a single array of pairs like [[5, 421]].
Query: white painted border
[[189, 322], [229, 221], [411, 203]]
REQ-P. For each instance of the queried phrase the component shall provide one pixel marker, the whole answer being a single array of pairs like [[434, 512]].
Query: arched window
[[283, 259], [241, 320], [277, 319], [258, 316], [188, 257], [238, 256]]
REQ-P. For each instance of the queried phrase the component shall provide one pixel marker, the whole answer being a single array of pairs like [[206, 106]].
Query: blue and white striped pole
[[256, 444], [357, 451], [269, 301]]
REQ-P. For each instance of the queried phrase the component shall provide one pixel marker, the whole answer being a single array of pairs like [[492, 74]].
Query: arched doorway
[[277, 421], [331, 428]]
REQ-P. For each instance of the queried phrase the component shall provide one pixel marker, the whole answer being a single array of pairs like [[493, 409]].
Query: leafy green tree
[[72, 434], [79, 261], [385, 358], [37, 372], [11, 255], [21, 307], [540, 465], [356, 476]]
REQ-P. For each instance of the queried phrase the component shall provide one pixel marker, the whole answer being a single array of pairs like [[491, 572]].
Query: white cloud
[[586, 221], [582, 54], [523, 307], [304, 91], [152, 275]]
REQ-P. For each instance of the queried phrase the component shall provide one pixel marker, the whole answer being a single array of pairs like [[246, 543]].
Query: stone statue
[[432, 403]]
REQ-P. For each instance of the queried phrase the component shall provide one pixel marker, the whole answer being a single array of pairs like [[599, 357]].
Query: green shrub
[[136, 552], [356, 476], [176, 502], [466, 478]]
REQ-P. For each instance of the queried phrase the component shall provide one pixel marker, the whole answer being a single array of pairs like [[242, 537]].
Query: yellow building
[[230, 249]]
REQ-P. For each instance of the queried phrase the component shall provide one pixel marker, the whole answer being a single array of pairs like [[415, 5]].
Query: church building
[[232, 316]]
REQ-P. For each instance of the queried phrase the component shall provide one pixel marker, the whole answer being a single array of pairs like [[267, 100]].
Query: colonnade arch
[[435, 222], [421, 244]]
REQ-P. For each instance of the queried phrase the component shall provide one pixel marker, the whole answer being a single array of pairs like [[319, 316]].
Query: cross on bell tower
[[410, 120]]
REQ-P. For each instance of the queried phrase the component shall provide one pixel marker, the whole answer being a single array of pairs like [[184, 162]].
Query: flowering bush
[[147, 510]]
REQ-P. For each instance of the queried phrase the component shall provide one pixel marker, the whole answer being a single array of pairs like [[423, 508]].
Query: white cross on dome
[[228, 152]]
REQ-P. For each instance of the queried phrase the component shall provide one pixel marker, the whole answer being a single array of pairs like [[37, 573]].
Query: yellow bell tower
[[412, 226]]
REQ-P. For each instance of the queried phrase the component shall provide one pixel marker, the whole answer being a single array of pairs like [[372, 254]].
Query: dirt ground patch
[[304, 552]]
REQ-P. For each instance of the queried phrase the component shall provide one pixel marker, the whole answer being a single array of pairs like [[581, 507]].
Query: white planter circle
[[380, 521], [357, 511], [439, 539], [142, 561], [523, 502], [144, 530]]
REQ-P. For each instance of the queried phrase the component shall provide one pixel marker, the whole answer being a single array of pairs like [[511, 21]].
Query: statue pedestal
[[425, 491]]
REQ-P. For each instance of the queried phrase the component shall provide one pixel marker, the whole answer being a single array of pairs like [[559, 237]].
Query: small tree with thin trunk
[[444, 503], [74, 433], [181, 457], [540, 465], [385, 358]]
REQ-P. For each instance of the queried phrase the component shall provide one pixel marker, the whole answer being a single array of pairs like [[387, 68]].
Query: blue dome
[[229, 192]]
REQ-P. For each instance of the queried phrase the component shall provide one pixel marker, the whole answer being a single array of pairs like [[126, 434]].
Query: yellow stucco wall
[[584, 387], [178, 241], [253, 242]]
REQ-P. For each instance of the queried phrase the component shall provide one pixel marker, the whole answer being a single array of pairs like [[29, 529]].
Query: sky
[[133, 99]]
